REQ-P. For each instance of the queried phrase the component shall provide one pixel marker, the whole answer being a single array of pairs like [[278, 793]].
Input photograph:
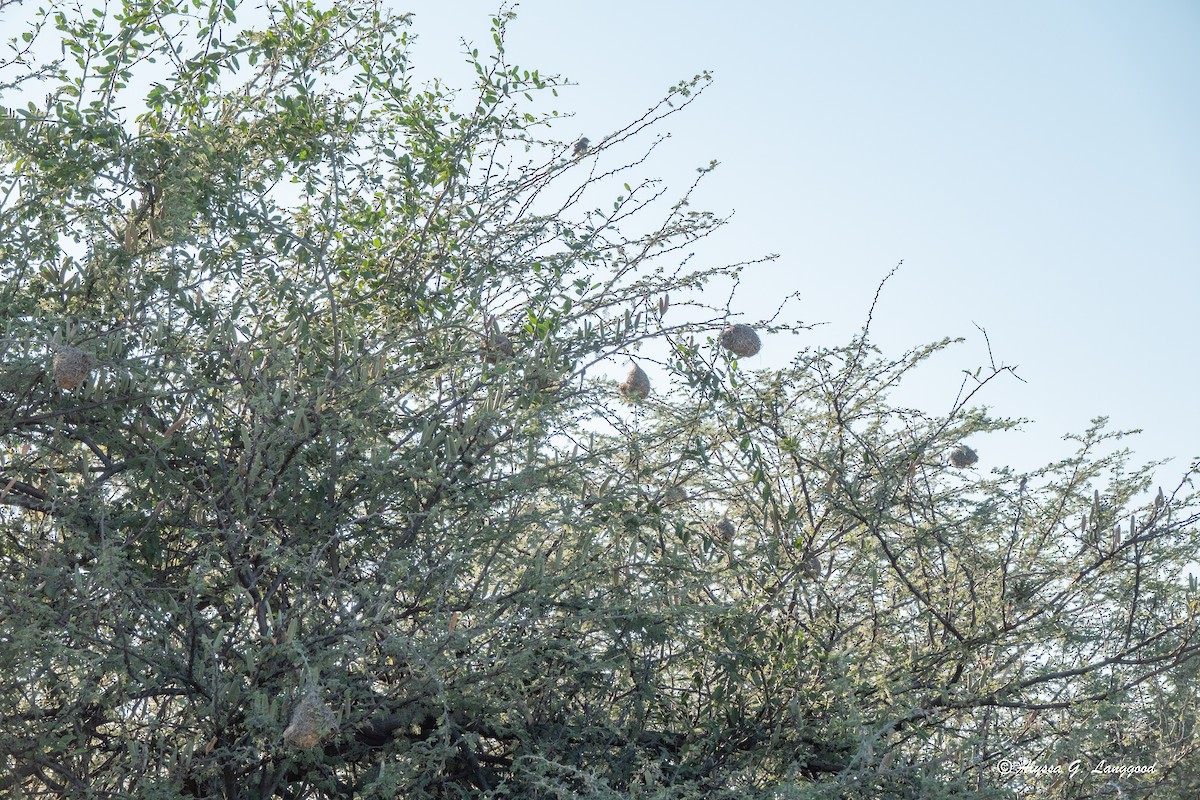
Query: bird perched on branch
[[581, 146]]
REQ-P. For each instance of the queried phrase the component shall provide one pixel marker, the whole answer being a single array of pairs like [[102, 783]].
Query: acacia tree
[[901, 624], [310, 487]]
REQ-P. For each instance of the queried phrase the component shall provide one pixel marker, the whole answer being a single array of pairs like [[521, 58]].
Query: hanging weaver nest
[[495, 347], [539, 377], [674, 495], [811, 567], [726, 530], [71, 367], [311, 722], [1022, 590], [963, 456], [636, 385], [741, 340]]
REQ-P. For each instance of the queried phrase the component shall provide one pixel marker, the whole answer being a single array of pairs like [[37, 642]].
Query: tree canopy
[[313, 483]]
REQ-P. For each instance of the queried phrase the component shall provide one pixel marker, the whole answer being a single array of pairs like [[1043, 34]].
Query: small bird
[[581, 146]]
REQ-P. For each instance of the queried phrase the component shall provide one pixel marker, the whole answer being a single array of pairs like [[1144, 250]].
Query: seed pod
[[311, 722], [963, 456], [71, 367], [636, 385], [726, 530], [741, 340]]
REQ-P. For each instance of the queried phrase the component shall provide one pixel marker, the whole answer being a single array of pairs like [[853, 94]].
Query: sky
[[1035, 165]]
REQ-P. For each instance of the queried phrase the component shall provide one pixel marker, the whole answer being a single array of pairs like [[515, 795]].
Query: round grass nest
[[963, 456], [741, 340], [311, 722], [495, 347], [71, 367], [674, 495], [726, 530], [811, 567], [636, 384]]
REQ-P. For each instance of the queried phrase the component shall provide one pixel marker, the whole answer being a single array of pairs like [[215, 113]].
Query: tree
[[310, 487]]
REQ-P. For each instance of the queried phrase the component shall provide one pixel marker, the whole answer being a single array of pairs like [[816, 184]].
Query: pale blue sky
[[1035, 164]]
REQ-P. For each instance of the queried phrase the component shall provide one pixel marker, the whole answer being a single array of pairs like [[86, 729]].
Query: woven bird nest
[[726, 530], [1022, 589], [495, 347], [71, 367], [674, 495], [741, 340], [811, 567], [963, 456], [636, 385], [311, 722]]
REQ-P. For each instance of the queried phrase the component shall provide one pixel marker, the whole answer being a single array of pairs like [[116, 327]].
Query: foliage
[[342, 508]]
